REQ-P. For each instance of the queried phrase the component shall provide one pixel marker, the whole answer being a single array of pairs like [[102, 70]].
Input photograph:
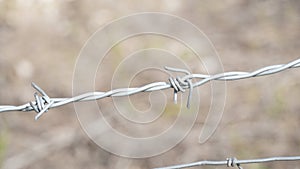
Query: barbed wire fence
[[43, 102]]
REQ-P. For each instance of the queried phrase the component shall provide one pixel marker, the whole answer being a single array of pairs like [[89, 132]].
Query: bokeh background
[[40, 41]]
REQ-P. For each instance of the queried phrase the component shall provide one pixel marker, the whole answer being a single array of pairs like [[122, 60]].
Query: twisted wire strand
[[43, 102], [232, 162]]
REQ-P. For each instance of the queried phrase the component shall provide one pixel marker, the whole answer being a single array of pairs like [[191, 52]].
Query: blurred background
[[40, 41]]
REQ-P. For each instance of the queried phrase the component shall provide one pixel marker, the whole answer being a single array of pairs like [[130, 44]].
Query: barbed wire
[[43, 102], [232, 162]]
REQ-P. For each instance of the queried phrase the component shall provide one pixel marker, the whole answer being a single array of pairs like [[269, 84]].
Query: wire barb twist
[[178, 84], [43, 102], [232, 162]]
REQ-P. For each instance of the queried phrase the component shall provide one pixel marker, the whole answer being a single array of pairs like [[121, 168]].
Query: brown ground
[[40, 40]]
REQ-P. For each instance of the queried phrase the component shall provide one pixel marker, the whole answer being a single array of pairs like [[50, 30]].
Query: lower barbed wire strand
[[232, 162], [185, 82]]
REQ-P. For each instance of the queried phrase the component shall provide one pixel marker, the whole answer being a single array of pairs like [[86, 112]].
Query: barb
[[176, 84], [43, 103], [232, 162]]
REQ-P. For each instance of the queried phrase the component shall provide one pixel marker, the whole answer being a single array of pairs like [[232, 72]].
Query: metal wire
[[232, 162], [43, 102]]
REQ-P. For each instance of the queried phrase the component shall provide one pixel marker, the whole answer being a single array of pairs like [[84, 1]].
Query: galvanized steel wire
[[43, 102], [232, 162]]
